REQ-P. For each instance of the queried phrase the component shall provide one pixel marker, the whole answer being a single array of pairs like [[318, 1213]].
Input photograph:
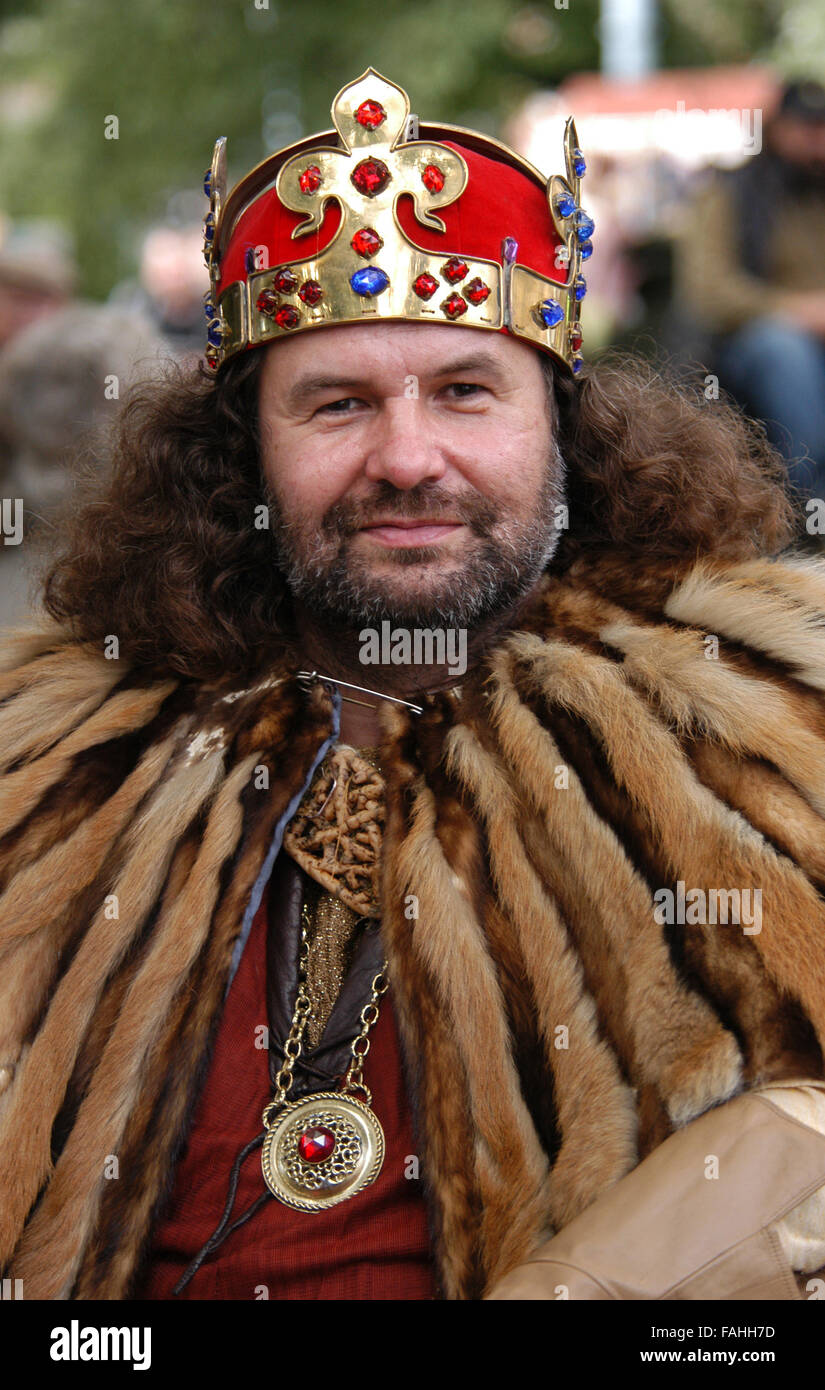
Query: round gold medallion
[[322, 1150]]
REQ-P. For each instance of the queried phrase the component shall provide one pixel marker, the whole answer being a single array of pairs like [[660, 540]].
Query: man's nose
[[404, 447]]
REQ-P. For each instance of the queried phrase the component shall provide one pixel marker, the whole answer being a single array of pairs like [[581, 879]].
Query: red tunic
[[373, 1246]]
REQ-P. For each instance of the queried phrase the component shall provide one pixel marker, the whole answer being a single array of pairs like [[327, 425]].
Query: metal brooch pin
[[307, 676]]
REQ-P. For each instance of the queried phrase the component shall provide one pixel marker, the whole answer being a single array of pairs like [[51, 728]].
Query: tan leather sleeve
[[802, 1231], [697, 1219]]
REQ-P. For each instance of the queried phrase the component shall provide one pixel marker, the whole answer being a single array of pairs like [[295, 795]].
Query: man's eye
[[339, 407], [465, 389]]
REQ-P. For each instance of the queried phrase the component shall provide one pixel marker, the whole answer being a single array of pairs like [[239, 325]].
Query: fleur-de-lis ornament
[[375, 164], [374, 167]]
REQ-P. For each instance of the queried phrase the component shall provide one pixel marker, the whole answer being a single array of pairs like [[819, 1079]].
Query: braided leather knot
[[335, 835]]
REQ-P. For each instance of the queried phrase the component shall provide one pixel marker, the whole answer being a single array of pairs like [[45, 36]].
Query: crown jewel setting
[[372, 268]]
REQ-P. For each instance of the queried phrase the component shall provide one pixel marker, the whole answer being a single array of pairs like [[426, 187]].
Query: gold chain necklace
[[325, 1148]]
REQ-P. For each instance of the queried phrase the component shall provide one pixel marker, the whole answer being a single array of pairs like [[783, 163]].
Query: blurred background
[[703, 125]]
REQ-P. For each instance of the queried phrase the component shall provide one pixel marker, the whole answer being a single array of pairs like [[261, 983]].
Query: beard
[[502, 557]]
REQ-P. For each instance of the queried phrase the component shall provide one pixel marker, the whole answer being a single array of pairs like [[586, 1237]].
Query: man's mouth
[[398, 531]]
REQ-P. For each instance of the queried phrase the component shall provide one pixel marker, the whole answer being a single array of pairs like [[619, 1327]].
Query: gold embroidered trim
[[334, 930], [335, 837]]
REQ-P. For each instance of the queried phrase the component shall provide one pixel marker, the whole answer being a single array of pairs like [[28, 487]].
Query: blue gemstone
[[565, 205], [207, 183], [577, 364], [585, 226], [580, 287], [213, 333], [208, 227], [369, 281], [209, 310], [579, 166], [586, 250], [550, 313]]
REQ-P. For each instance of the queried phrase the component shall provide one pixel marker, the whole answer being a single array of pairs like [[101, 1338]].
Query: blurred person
[[37, 274], [171, 287], [751, 271], [344, 963], [61, 381]]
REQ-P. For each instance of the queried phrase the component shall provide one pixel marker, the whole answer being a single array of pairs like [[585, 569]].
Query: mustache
[[348, 516]]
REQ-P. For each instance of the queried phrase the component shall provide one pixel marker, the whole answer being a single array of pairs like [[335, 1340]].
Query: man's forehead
[[356, 352]]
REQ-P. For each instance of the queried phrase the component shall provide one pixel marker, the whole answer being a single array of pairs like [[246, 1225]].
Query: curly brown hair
[[165, 553]]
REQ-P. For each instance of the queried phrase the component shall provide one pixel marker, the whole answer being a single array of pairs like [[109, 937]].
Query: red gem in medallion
[[287, 317], [454, 307], [454, 269], [370, 114], [477, 291], [366, 242], [311, 292], [425, 286], [575, 338], [315, 1144], [310, 179], [432, 178], [371, 176]]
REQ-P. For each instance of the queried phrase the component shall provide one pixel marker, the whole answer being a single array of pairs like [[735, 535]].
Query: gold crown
[[372, 269]]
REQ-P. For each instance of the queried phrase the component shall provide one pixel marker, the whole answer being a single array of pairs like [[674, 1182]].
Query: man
[[762, 228], [412, 828]]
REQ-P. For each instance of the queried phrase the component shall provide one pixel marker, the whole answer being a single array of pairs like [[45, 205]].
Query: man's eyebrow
[[310, 385], [475, 362]]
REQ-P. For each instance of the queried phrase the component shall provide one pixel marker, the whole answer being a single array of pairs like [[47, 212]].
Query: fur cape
[[635, 731]]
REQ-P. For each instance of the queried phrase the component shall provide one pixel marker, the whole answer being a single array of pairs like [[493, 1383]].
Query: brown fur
[[535, 906]]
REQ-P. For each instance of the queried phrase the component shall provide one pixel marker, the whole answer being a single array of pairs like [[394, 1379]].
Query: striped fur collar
[[631, 735]]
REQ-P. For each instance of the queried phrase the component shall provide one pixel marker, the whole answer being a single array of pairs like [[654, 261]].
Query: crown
[[386, 218]]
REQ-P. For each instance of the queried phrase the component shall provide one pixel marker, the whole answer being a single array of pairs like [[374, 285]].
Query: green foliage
[[178, 73], [698, 32]]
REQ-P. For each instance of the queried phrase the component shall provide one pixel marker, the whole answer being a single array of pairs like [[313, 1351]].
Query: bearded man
[[343, 960]]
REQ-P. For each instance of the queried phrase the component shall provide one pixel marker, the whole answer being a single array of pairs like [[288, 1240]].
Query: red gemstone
[[370, 114], [287, 317], [575, 339], [267, 302], [366, 242], [454, 307], [454, 269], [212, 356], [425, 286], [477, 291], [310, 179], [433, 178], [285, 281], [371, 176], [316, 1143], [311, 292]]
